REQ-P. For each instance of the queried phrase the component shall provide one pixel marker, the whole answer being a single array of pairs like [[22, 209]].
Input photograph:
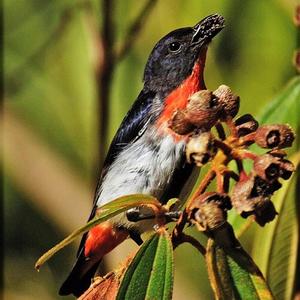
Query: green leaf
[[150, 274], [104, 213], [285, 108], [275, 246], [234, 275]]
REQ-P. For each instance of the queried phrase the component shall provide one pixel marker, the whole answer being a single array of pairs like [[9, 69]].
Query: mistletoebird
[[146, 156]]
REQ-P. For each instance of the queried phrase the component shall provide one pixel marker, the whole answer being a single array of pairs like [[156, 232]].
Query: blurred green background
[[53, 55]]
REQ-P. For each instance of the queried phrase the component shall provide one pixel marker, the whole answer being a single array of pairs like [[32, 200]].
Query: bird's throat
[[178, 98]]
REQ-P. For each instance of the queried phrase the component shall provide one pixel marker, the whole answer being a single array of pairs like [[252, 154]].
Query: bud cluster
[[251, 194], [209, 211]]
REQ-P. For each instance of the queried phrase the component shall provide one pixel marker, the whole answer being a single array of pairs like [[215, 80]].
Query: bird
[[145, 155]]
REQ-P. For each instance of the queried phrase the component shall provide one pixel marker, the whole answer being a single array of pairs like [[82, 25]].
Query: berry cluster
[[203, 121]]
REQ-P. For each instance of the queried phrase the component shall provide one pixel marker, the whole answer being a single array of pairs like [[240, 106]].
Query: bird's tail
[[80, 277], [100, 240]]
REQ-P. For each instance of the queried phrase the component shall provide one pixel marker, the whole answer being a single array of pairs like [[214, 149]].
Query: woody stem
[[184, 238], [221, 131], [177, 232], [202, 187]]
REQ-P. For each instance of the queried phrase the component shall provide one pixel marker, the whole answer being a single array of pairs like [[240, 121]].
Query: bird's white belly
[[145, 166]]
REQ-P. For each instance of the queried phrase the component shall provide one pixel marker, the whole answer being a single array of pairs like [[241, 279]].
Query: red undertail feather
[[102, 239], [99, 241]]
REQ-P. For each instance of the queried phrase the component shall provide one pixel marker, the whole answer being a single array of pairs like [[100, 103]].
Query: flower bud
[[180, 124], [222, 199], [264, 211], [203, 110], [208, 217], [252, 197], [274, 136], [277, 153], [241, 193], [286, 169], [262, 187], [245, 125], [267, 167], [200, 149], [297, 16], [208, 211], [229, 101]]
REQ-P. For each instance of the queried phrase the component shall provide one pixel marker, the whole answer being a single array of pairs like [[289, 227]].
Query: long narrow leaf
[[150, 274], [234, 275], [106, 212], [285, 107]]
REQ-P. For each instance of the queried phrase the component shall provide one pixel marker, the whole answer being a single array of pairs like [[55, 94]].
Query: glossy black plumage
[[132, 126]]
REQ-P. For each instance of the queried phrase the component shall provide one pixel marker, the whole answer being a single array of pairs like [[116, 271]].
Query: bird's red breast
[[178, 98]]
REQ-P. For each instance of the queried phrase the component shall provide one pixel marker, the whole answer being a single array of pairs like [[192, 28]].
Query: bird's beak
[[206, 29]]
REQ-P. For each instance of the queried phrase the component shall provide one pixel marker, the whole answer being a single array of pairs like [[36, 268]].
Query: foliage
[[232, 272], [234, 275], [107, 212], [52, 52], [150, 275]]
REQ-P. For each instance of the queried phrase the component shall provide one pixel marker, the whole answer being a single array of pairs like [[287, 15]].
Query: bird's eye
[[175, 47]]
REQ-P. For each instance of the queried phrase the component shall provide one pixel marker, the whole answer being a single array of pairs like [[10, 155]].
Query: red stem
[[220, 182], [203, 186], [248, 138], [232, 128], [248, 154]]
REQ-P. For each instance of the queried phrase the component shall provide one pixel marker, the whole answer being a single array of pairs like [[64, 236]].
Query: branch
[[209, 177], [110, 58], [184, 238], [104, 78], [135, 29]]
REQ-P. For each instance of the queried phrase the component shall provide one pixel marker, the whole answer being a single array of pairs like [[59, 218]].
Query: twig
[[232, 128], [105, 77], [135, 29], [248, 154], [184, 238], [220, 131], [226, 182], [110, 58], [220, 182], [227, 150], [202, 187], [239, 164], [177, 232], [249, 138], [233, 175]]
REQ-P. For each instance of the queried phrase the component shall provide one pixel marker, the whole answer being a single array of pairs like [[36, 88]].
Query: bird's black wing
[[132, 126], [131, 129]]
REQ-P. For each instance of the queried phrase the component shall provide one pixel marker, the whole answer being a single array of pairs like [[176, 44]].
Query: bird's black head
[[174, 56]]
